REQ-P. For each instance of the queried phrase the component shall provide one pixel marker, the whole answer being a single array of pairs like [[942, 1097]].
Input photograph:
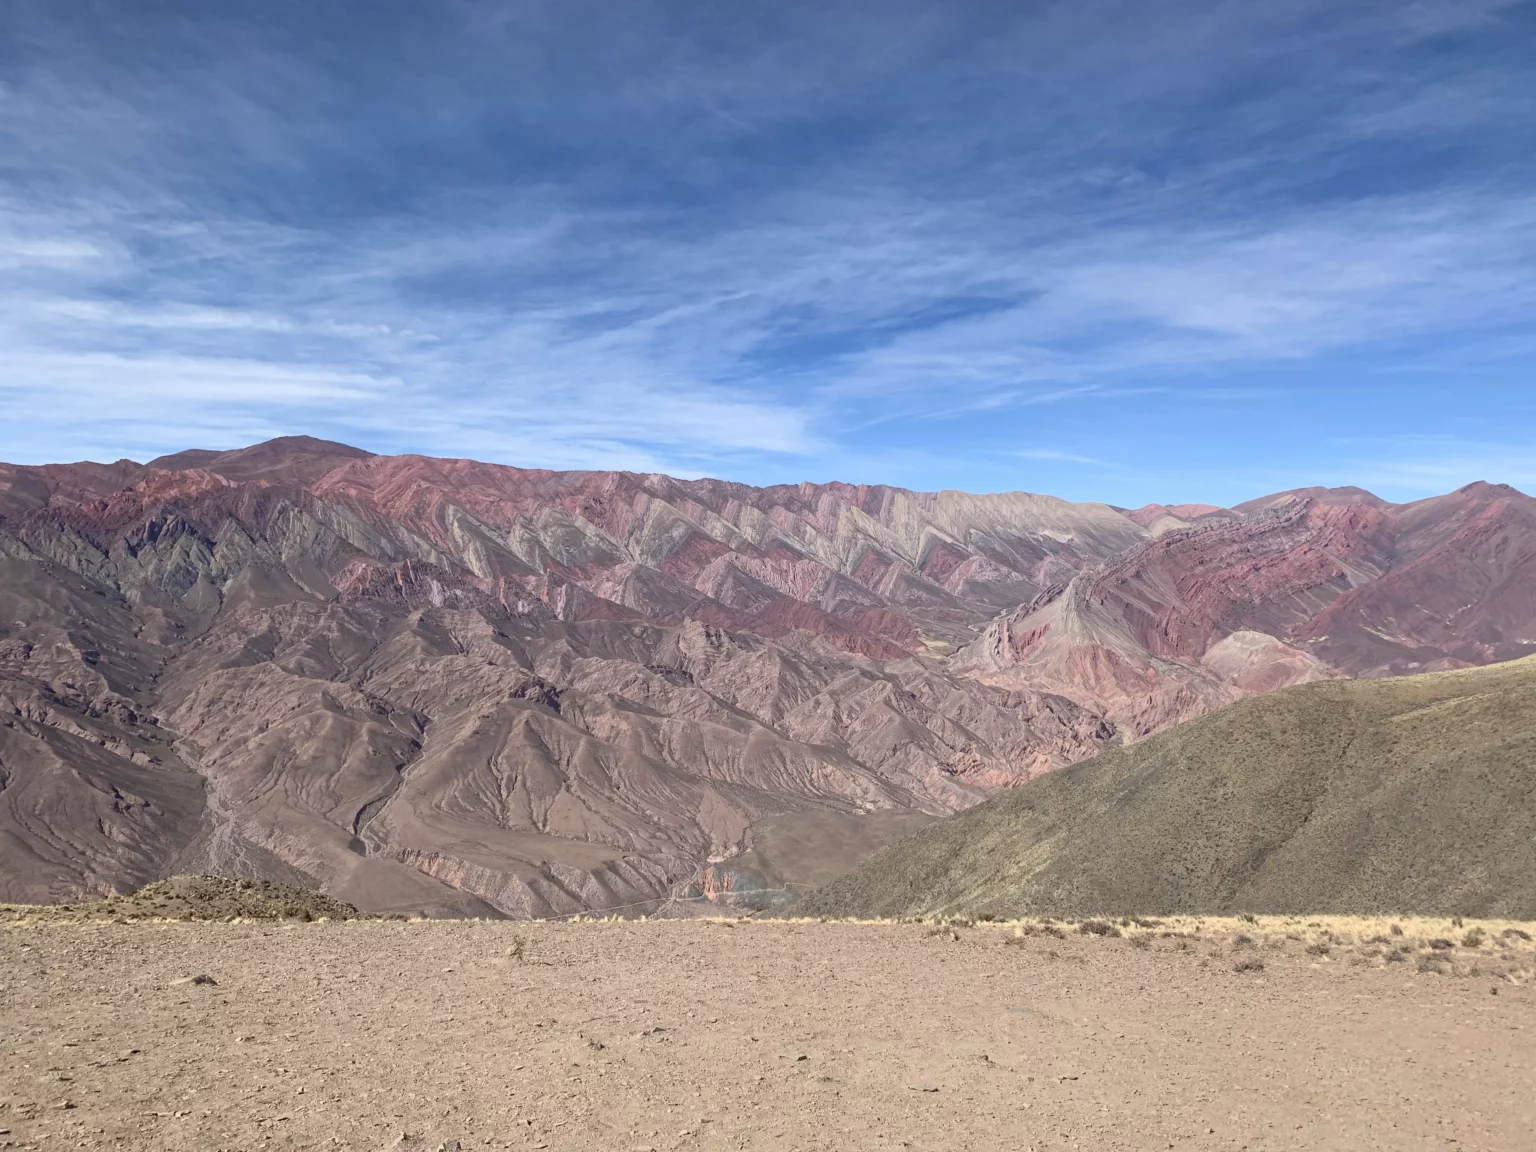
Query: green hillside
[[1412, 794]]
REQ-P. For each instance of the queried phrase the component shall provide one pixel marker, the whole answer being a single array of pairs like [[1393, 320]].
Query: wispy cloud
[[1065, 457]]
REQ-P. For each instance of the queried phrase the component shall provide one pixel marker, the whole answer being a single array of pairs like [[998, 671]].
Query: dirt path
[[698, 1035]]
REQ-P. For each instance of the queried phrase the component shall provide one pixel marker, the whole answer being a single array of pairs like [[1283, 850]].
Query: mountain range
[[458, 688]]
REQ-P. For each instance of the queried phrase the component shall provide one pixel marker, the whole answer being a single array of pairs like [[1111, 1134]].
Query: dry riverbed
[[1317, 1033]]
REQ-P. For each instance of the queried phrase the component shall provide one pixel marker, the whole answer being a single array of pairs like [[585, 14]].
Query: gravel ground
[[744, 1035]]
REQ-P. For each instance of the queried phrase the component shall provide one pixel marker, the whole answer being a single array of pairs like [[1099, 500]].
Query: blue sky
[[1109, 250]]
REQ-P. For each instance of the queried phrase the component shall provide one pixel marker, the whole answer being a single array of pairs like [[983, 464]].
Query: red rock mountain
[[454, 687], [1302, 586]]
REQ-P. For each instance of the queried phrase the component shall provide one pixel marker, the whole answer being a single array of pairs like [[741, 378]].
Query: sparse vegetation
[[1107, 838], [1097, 928], [198, 898], [1360, 942]]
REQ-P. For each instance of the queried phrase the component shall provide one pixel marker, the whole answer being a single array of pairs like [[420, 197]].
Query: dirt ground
[[766, 1035]]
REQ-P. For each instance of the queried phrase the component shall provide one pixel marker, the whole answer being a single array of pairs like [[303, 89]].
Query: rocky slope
[[1298, 587], [457, 687], [461, 688], [191, 898], [1415, 794]]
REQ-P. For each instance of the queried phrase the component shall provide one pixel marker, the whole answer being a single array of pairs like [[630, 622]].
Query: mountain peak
[[1487, 488], [299, 459]]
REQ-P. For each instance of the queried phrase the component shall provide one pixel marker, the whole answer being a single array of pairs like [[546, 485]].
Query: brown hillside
[[1415, 794], [193, 898]]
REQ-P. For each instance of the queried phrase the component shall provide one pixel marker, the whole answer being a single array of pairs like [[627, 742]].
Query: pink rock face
[[462, 688], [1320, 583], [1149, 514]]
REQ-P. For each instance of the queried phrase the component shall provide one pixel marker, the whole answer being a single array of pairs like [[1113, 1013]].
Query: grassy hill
[[1413, 794]]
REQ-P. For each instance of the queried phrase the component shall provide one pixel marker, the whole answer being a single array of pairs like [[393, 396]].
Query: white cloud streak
[[1064, 457]]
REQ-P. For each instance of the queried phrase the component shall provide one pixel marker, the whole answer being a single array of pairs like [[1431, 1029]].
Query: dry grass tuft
[[1503, 949], [1097, 928]]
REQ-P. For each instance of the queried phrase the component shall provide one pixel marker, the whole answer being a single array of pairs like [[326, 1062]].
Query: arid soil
[[1278, 1034]]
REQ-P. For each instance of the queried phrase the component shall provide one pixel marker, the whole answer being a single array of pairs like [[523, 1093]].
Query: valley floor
[[766, 1035]]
